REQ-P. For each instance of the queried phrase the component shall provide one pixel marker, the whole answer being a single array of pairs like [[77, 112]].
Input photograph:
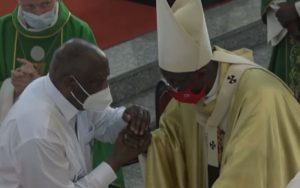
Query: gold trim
[[286, 59], [16, 42], [62, 36], [46, 36], [15, 50]]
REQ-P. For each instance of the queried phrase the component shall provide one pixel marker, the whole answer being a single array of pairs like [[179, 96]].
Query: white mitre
[[183, 41]]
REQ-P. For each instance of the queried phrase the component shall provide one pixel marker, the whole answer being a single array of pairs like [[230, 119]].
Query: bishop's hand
[[138, 119]]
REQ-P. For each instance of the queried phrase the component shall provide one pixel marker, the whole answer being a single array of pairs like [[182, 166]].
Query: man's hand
[[138, 120], [23, 75], [127, 148], [287, 14]]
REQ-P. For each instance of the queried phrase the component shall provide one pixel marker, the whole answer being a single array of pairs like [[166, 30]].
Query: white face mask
[[96, 102], [40, 21]]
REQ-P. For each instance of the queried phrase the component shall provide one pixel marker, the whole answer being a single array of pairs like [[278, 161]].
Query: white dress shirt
[[40, 149], [6, 98]]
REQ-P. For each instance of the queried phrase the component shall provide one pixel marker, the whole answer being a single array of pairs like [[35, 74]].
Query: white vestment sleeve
[[6, 98], [43, 164]]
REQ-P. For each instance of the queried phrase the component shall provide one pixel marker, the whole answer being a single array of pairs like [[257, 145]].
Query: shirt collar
[[66, 108]]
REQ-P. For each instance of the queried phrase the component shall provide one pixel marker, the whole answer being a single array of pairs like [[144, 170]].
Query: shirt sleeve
[[275, 31], [6, 98], [297, 5], [43, 164], [109, 124]]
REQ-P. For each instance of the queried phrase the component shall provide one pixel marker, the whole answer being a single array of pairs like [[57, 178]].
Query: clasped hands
[[137, 133], [134, 139], [22, 76]]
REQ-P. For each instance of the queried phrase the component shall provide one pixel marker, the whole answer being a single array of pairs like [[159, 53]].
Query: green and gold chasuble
[[38, 47], [261, 146], [285, 59]]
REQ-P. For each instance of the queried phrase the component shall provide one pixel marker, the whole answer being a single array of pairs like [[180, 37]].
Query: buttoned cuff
[[102, 176]]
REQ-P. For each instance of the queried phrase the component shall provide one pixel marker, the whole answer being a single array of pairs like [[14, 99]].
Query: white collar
[[66, 108]]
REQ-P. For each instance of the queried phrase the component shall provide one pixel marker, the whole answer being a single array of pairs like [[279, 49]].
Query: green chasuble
[[17, 42], [285, 60], [261, 145]]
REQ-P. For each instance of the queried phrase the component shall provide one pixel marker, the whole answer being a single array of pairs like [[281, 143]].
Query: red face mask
[[187, 96]]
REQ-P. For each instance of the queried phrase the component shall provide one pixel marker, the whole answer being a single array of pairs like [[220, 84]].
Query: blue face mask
[[39, 21]]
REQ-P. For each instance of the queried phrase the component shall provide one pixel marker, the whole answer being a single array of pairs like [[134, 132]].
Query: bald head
[[78, 57], [76, 65]]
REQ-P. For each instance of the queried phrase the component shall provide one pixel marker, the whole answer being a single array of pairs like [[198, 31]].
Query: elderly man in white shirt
[[46, 138]]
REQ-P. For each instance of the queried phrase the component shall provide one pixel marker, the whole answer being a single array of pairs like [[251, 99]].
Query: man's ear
[[68, 83]]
